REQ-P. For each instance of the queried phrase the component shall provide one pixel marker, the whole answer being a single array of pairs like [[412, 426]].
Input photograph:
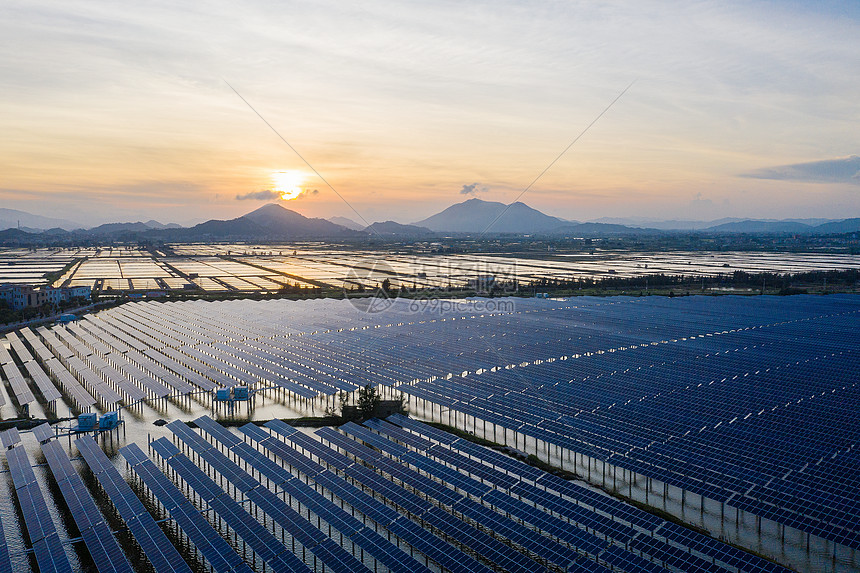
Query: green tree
[[368, 401]]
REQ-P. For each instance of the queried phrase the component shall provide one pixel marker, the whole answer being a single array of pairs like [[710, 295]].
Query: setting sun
[[288, 184]]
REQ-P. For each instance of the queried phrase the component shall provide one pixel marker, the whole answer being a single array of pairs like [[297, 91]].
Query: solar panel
[[43, 383], [446, 474], [492, 549], [313, 447], [50, 555], [255, 535], [214, 548], [366, 504], [43, 432], [218, 431], [589, 519], [618, 557], [99, 539], [387, 446], [158, 550], [532, 541], [37, 520], [398, 434], [451, 558], [10, 437], [271, 504], [352, 447], [23, 395], [213, 457], [550, 524]]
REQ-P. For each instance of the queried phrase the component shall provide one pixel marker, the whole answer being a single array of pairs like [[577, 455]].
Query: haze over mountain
[[393, 228], [472, 217], [137, 227], [11, 218], [478, 216], [347, 222]]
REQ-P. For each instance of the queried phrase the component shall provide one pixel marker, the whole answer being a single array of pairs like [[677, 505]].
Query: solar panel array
[[747, 401], [161, 554], [40, 528], [752, 406], [97, 535], [384, 494]]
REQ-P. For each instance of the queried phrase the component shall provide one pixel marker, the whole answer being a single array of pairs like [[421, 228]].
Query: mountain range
[[473, 217], [13, 219]]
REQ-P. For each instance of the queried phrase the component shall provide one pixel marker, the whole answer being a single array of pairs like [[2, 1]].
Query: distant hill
[[668, 225], [602, 230], [12, 237], [478, 216], [114, 228], [346, 222], [153, 224], [11, 218], [836, 227], [750, 226], [792, 227], [268, 222], [392, 228]]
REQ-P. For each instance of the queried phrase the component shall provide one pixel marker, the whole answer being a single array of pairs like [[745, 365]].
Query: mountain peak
[[269, 208], [478, 216]]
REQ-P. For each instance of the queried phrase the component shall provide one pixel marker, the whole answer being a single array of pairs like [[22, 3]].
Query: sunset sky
[[121, 111]]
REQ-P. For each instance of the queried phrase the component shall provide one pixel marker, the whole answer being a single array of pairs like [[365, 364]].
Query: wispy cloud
[[472, 189], [263, 195], [840, 170], [270, 194]]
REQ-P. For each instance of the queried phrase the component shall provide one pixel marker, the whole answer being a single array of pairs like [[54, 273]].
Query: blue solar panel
[[292, 457], [213, 457], [550, 524], [528, 539], [670, 556], [307, 443], [451, 558], [429, 431], [722, 552], [338, 440], [250, 530], [50, 555], [307, 535], [158, 550], [576, 513], [10, 437], [482, 471], [281, 427], [37, 520], [418, 481], [104, 549], [583, 565], [217, 431], [43, 432], [398, 434], [5, 563], [214, 548], [98, 538], [401, 497], [618, 557], [375, 440], [263, 464], [446, 474], [366, 504], [492, 549]]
